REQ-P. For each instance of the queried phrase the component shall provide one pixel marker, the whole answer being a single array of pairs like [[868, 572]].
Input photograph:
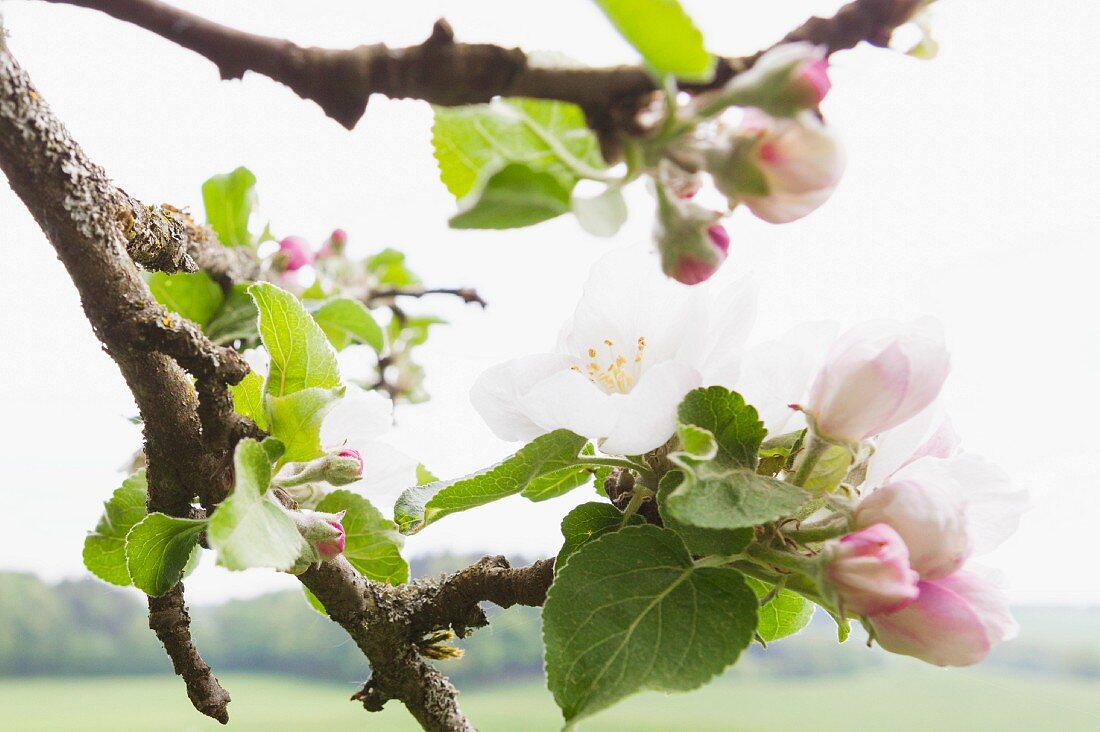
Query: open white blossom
[[357, 422], [637, 343]]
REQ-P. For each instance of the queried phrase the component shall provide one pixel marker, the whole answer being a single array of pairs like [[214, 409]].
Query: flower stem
[[830, 528], [614, 462], [770, 557], [636, 499], [815, 448]]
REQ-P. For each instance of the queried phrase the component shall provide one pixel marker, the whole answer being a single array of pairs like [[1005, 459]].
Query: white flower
[[782, 169], [356, 422], [946, 509], [877, 376], [637, 343]]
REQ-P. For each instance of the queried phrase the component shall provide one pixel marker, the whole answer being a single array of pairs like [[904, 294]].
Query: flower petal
[[647, 414], [386, 472], [497, 393], [360, 415], [568, 400]]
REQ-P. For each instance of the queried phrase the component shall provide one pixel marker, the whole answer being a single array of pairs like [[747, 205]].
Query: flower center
[[618, 373]]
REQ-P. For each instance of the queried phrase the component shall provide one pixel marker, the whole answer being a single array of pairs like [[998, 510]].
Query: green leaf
[[295, 420], [601, 215], [713, 498], [784, 615], [105, 548], [347, 321], [829, 470], [587, 522], [663, 33], [423, 505], [512, 196], [228, 200], [301, 356], [546, 136], [557, 484], [236, 320], [158, 548], [248, 398], [700, 542], [735, 425], [247, 529], [373, 542], [631, 611], [191, 295], [424, 476], [388, 267]]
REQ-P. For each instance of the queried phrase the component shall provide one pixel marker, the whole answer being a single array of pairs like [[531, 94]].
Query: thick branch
[[85, 219], [443, 72], [168, 618], [453, 602]]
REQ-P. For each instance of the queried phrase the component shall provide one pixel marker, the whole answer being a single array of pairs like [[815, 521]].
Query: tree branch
[[444, 72], [91, 225]]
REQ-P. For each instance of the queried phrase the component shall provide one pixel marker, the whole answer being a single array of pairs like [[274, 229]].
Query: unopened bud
[[343, 467], [294, 253], [691, 242], [783, 82], [323, 531], [334, 245], [336, 468]]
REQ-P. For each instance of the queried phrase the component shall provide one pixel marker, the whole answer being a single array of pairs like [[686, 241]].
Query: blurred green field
[[899, 700]]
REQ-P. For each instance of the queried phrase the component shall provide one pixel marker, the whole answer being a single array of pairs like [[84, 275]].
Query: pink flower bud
[[813, 77], [296, 252], [955, 621], [691, 242], [343, 467], [928, 517], [334, 245], [782, 82], [870, 571], [782, 169], [875, 377], [329, 548]]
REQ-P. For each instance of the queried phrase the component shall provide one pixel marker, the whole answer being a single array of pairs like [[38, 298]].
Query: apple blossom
[[354, 430], [294, 253], [870, 571], [945, 508], [955, 621], [783, 81], [635, 346], [691, 242], [875, 377], [782, 169], [335, 244]]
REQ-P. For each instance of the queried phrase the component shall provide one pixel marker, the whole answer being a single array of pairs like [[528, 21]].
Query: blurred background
[[970, 195]]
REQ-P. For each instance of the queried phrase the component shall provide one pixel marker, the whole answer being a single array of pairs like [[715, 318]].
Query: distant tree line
[[84, 627]]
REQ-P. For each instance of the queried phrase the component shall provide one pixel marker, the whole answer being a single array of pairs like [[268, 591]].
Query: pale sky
[[970, 195]]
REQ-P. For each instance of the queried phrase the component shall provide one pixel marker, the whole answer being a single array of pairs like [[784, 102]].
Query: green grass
[[898, 699]]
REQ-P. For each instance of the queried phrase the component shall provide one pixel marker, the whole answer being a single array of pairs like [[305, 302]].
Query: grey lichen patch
[[157, 237]]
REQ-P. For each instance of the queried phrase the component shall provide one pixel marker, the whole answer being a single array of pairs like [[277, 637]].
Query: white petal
[[568, 400], [647, 415], [258, 359], [731, 317], [894, 448], [775, 375], [386, 472], [497, 393], [626, 298], [360, 415], [993, 507]]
